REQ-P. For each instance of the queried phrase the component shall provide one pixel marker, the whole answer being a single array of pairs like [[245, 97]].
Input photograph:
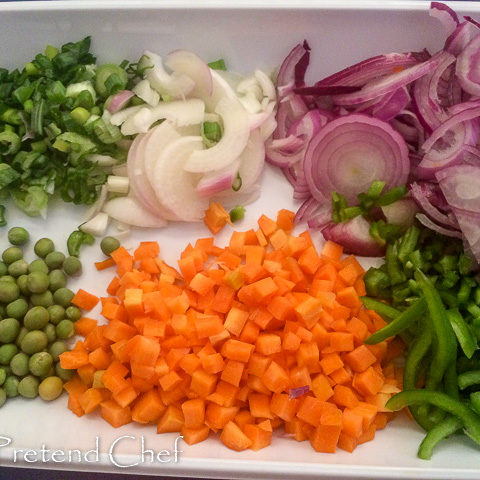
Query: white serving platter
[[248, 35]]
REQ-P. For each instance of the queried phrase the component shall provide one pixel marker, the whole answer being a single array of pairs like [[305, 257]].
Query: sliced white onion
[[252, 160], [98, 205], [96, 226], [174, 186], [120, 170], [267, 85], [116, 184], [218, 181], [102, 160], [143, 90], [221, 89], [236, 130], [188, 63], [251, 103], [174, 85], [119, 117], [187, 112], [129, 210]]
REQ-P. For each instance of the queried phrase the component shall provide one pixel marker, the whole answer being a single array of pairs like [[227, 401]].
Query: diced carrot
[[194, 435], [114, 414], [259, 405], [216, 217], [234, 438], [148, 407], [259, 437], [275, 378], [171, 420], [109, 262]]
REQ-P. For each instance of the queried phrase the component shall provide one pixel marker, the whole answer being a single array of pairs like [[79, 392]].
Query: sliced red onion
[[119, 100], [445, 15], [298, 391], [409, 126], [284, 152], [308, 207], [464, 112], [427, 222], [367, 70], [462, 35], [301, 190], [425, 94], [354, 236], [461, 187], [431, 210], [293, 68], [468, 67], [320, 217], [290, 109], [350, 152], [389, 83], [448, 150], [321, 90], [471, 155], [392, 105], [470, 224]]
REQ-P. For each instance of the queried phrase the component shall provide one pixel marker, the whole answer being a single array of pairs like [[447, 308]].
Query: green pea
[[73, 313], [3, 397], [50, 388], [57, 313], [22, 282], [40, 363], [7, 352], [34, 341], [72, 266], [38, 282], [65, 329], [11, 386], [63, 297], [3, 311], [9, 329], [43, 247], [9, 291], [54, 260], [3, 269], [63, 373], [19, 364], [18, 236], [17, 268], [56, 349], [23, 331], [7, 369], [12, 254], [28, 387], [3, 375], [38, 265], [7, 278], [57, 279], [17, 309], [44, 299], [36, 318], [50, 331], [109, 245]]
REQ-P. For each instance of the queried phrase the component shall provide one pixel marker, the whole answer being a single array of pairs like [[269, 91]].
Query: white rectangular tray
[[248, 36]]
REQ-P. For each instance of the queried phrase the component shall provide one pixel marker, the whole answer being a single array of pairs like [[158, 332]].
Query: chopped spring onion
[[218, 64]]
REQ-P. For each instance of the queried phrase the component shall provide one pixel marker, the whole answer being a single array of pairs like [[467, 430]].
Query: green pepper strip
[[469, 419], [445, 351], [414, 361], [450, 381], [383, 309], [76, 240], [400, 323], [441, 431], [464, 336], [468, 379]]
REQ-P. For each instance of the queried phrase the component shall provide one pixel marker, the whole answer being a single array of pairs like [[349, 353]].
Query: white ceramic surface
[[248, 36]]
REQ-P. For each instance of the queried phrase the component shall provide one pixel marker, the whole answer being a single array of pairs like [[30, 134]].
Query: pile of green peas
[[36, 318]]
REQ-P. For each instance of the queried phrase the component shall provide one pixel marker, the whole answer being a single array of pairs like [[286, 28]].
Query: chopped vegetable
[[216, 217], [242, 339]]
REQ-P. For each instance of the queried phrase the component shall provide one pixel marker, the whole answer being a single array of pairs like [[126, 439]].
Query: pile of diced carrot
[[242, 340]]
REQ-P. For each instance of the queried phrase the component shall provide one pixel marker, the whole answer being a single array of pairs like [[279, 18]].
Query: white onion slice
[[182, 113], [252, 160], [174, 85], [236, 130], [174, 186], [143, 90], [96, 226], [218, 181], [129, 210], [188, 63]]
